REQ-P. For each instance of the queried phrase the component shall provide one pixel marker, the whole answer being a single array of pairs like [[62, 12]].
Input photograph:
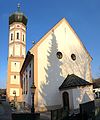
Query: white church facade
[[60, 69], [58, 64]]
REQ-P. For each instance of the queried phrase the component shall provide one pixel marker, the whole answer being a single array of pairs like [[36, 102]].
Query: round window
[[59, 55], [73, 56]]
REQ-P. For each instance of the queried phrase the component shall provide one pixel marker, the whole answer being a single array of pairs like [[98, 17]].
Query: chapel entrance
[[66, 100]]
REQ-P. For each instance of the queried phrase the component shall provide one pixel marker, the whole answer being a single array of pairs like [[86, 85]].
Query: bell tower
[[16, 54]]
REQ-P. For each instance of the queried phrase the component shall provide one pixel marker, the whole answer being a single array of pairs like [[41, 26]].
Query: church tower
[[16, 54]]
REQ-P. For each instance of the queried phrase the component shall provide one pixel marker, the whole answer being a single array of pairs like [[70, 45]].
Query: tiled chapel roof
[[96, 83], [28, 58], [72, 81]]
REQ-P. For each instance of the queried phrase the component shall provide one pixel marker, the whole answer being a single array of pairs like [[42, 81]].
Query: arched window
[[30, 74], [11, 36], [23, 38], [66, 101], [17, 35], [24, 85], [14, 76]]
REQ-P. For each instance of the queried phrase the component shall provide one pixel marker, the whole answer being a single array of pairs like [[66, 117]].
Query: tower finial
[[18, 7]]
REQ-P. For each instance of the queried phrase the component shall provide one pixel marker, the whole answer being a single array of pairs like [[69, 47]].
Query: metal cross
[[18, 7]]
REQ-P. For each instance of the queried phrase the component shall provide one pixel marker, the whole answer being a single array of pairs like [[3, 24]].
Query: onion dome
[[18, 17]]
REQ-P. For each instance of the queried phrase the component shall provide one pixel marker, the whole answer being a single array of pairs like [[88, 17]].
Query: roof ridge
[[73, 81], [54, 27], [48, 32]]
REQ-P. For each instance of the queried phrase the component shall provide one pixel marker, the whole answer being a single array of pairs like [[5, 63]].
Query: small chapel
[[58, 65]]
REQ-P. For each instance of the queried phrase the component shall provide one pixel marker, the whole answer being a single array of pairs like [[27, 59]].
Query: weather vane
[[18, 7]]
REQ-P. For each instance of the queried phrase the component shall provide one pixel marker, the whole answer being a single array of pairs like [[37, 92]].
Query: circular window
[[59, 55], [73, 56]]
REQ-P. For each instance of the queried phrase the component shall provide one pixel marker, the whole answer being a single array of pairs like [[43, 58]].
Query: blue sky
[[83, 16]]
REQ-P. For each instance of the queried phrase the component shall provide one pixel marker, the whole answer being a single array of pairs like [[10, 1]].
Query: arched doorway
[[66, 100]]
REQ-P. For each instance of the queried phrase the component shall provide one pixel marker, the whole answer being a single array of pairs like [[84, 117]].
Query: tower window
[[14, 76], [23, 38], [17, 35], [11, 36]]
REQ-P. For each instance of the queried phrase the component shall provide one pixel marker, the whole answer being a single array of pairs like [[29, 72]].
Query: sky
[[82, 15]]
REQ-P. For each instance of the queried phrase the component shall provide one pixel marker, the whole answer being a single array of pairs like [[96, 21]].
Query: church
[[58, 65]]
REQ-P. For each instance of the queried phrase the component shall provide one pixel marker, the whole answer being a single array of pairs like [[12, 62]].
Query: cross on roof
[[18, 7]]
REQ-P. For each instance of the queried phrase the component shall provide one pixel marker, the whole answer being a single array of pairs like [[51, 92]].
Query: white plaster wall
[[15, 66], [15, 81], [76, 98], [27, 97], [82, 95], [23, 51], [11, 50], [52, 71], [71, 105], [88, 73], [14, 89], [17, 50], [23, 27], [11, 27]]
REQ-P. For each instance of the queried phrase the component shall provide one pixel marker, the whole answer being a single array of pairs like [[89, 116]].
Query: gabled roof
[[73, 81], [53, 28], [96, 83], [28, 58]]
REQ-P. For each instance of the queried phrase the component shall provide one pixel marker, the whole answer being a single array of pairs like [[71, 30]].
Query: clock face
[[73, 56], [59, 55]]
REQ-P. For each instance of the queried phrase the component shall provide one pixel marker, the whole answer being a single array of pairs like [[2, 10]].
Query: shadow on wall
[[82, 63], [53, 75], [86, 98], [78, 67]]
